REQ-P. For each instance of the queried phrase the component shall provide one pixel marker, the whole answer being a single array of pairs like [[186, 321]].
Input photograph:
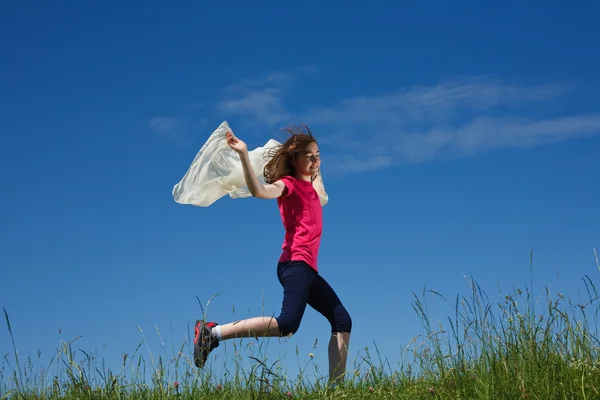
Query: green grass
[[519, 348]]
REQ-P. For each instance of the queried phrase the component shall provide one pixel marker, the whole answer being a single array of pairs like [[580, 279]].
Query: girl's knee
[[342, 321], [288, 325], [347, 322]]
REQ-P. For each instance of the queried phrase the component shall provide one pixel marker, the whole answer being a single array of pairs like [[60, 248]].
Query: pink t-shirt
[[301, 214]]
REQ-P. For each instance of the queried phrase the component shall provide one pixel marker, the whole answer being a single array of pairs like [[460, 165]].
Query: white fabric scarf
[[216, 171]]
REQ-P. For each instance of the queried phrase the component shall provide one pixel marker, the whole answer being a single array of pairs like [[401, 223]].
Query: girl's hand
[[236, 144]]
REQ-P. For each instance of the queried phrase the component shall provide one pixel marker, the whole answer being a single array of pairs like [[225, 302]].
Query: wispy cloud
[[485, 134], [264, 105], [456, 118], [439, 102], [170, 128], [176, 129], [167, 124], [262, 99]]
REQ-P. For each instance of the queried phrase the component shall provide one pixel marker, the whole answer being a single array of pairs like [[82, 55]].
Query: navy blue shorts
[[302, 285]]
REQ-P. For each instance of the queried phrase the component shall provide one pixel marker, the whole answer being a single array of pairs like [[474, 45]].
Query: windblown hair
[[280, 164]]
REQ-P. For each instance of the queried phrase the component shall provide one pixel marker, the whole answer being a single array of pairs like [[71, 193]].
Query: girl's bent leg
[[324, 299], [338, 354], [252, 327]]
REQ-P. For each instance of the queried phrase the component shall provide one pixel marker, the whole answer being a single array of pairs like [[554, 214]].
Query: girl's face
[[308, 162]]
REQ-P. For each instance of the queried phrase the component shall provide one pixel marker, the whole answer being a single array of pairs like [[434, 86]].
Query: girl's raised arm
[[270, 191]]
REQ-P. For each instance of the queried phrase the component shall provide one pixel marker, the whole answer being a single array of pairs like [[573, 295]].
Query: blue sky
[[454, 138]]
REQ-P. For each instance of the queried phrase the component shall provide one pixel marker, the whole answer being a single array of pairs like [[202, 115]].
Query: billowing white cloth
[[216, 171]]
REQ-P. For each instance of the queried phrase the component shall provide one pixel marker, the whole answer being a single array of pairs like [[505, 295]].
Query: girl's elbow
[[258, 193]]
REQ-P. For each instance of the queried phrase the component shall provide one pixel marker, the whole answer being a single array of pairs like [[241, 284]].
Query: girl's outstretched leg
[[207, 335], [338, 353], [297, 279]]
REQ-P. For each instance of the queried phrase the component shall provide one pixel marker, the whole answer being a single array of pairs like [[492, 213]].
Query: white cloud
[[486, 134], [264, 105], [171, 128], [262, 99], [166, 124], [439, 102], [457, 118]]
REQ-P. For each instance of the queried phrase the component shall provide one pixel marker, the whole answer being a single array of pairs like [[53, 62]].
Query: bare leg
[[338, 354], [252, 327]]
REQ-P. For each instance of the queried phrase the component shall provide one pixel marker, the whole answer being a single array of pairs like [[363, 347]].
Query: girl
[[289, 177]]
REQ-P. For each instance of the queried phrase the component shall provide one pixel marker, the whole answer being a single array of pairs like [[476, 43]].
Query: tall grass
[[517, 348]]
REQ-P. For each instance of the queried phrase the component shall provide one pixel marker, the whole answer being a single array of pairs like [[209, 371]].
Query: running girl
[[289, 175]]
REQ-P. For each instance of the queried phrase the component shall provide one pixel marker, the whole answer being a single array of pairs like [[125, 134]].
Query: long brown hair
[[282, 157]]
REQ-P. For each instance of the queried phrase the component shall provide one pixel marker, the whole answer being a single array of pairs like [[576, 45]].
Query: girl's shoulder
[[289, 182]]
